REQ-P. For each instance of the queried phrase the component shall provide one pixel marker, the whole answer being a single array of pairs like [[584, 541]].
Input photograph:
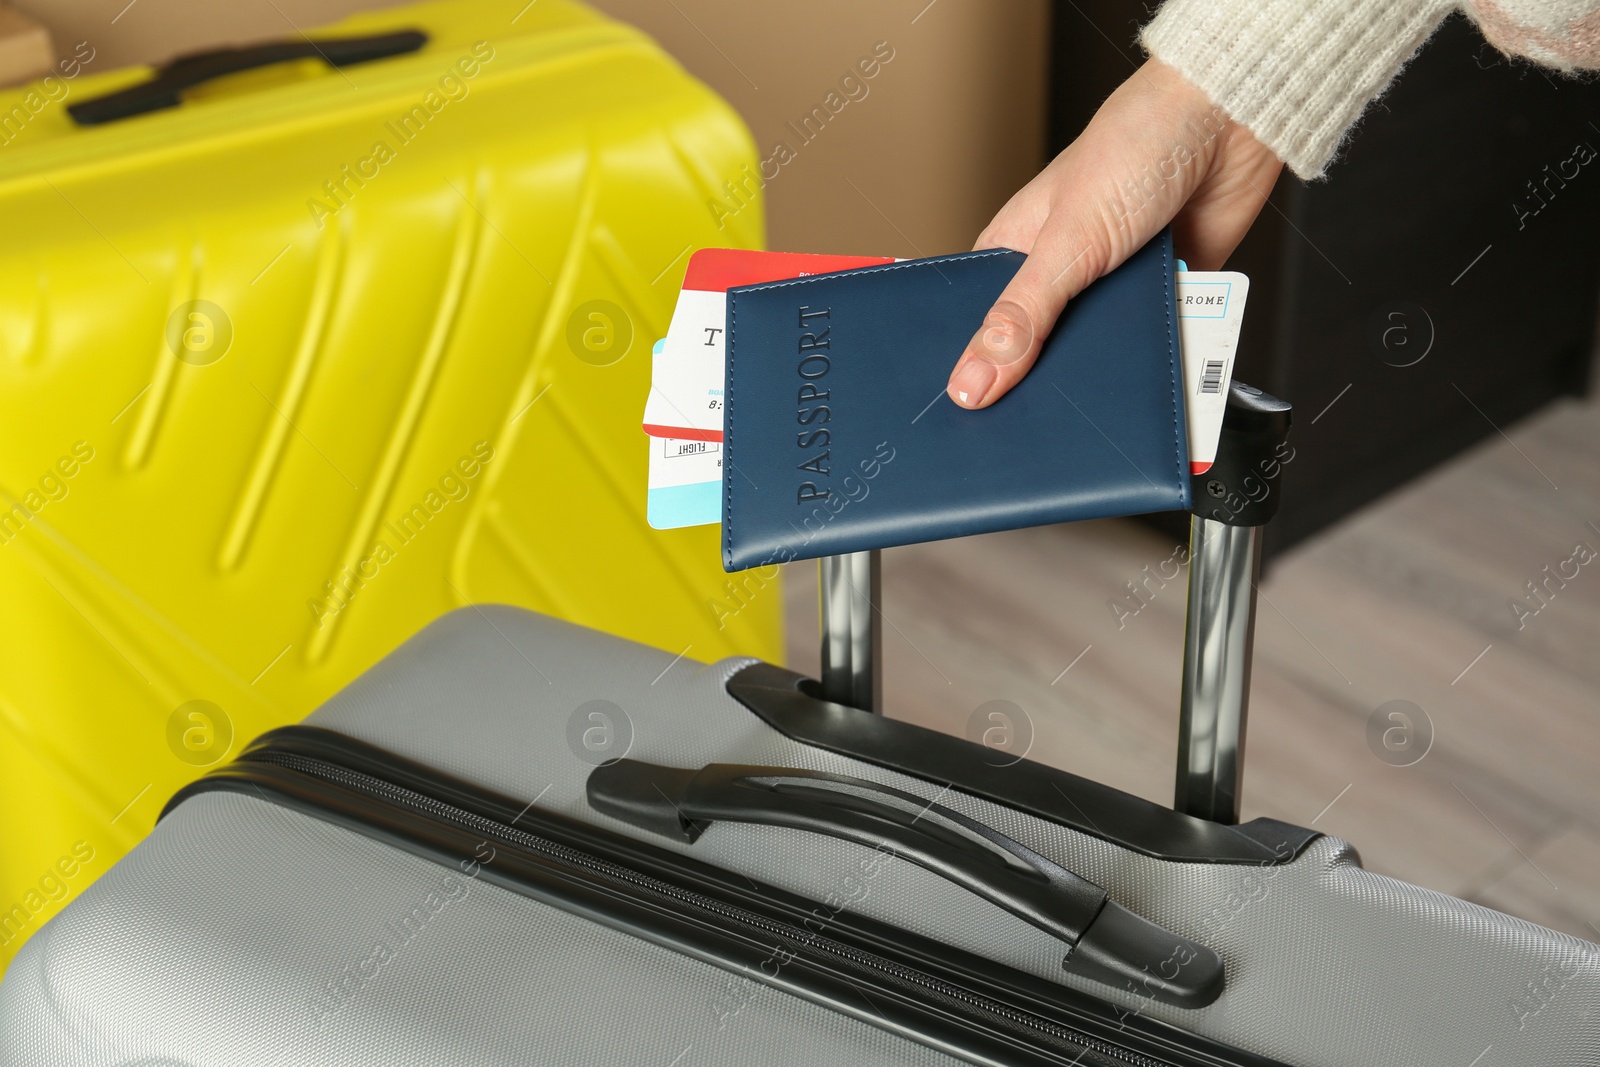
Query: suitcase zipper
[[1076, 1040], [1062, 1042]]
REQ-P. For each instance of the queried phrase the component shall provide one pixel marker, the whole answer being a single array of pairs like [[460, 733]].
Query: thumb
[[1008, 343]]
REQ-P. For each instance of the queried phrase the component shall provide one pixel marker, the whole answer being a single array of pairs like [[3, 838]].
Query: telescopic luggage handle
[[1231, 501]]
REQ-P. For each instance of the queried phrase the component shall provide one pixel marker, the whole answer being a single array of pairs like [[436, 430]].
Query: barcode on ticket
[[1211, 380]]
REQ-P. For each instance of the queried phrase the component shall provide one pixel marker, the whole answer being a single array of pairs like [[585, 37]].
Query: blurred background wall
[[916, 164]]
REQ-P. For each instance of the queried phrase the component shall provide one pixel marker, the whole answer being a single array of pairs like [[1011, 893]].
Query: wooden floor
[[1409, 599]]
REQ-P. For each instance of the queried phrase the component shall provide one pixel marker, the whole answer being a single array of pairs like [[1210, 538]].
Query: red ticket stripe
[[716, 270], [682, 433]]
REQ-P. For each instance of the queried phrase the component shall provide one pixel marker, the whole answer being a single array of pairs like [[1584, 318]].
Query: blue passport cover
[[838, 436]]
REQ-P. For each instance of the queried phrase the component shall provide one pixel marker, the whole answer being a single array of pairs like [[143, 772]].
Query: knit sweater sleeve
[[1298, 73]]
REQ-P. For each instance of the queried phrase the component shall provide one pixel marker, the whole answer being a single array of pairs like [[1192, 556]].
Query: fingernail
[[972, 381]]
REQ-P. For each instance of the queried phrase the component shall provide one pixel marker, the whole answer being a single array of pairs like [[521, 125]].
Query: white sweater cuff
[[1296, 73]]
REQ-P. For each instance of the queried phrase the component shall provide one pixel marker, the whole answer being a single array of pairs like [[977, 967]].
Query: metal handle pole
[[852, 641], [1224, 566], [1233, 500]]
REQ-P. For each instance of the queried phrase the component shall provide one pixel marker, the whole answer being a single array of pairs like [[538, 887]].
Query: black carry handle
[[1107, 943], [186, 72]]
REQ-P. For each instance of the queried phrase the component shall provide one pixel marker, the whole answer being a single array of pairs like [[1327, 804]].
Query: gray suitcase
[[515, 841]]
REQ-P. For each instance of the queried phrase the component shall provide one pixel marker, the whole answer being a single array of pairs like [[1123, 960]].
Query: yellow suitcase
[[295, 366]]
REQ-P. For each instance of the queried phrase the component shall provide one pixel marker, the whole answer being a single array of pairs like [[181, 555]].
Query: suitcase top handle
[[186, 72], [1106, 942]]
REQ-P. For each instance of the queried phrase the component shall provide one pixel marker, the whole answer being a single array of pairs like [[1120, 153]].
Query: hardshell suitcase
[[515, 841], [297, 365]]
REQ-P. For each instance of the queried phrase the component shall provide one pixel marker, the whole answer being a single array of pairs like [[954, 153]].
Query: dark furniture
[[1438, 286]]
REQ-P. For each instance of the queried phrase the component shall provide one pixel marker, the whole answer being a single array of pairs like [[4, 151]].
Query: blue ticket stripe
[[673, 506]]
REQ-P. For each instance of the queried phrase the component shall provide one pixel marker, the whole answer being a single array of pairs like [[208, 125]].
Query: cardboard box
[[25, 50]]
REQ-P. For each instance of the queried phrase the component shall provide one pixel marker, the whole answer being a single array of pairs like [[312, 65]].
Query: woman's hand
[[1156, 152]]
